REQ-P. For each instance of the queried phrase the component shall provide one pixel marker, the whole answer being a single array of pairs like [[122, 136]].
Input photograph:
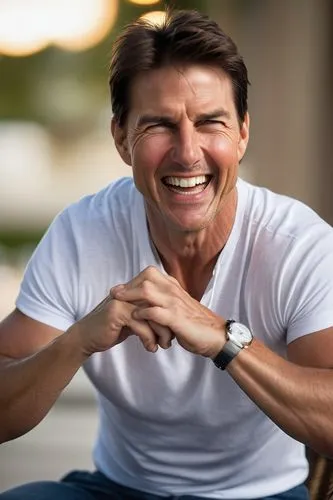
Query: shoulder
[[282, 217], [98, 221], [113, 210], [116, 198], [75, 263], [287, 244], [290, 262]]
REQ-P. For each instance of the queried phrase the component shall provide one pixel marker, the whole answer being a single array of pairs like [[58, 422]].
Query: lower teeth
[[198, 187]]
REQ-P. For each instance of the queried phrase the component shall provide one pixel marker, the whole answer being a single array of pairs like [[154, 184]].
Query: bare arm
[[296, 394], [36, 363]]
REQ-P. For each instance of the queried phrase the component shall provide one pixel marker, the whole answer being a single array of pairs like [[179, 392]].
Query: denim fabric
[[82, 485]]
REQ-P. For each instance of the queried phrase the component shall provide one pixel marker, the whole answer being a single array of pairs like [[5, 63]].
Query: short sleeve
[[48, 291], [309, 285]]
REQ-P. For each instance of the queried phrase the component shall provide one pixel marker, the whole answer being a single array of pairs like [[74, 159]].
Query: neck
[[183, 252]]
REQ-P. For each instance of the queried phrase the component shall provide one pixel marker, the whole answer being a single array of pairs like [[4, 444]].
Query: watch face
[[240, 334]]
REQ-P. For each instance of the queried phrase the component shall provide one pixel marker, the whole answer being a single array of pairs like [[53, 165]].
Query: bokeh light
[[155, 17], [28, 27], [144, 2]]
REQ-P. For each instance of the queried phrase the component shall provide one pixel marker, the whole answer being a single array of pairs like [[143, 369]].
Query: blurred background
[[55, 145]]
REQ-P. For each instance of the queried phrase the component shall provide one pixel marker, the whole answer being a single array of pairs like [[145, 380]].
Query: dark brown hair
[[183, 37]]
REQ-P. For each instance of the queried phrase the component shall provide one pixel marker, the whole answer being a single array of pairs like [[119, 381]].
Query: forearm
[[30, 386], [298, 399]]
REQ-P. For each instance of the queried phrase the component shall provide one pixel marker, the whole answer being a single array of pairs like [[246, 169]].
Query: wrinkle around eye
[[220, 128], [159, 127], [212, 124], [141, 135]]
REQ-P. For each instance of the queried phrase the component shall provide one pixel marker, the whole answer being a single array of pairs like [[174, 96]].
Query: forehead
[[171, 88]]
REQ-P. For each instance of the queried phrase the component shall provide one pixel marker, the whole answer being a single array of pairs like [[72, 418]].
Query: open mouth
[[187, 185]]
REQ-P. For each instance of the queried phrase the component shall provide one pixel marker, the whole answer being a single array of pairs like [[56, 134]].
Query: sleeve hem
[[46, 317], [306, 327]]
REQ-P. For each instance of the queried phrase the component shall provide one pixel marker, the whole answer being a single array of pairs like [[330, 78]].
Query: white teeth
[[186, 182]]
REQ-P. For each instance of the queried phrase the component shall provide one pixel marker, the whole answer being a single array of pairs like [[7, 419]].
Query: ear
[[120, 139], [243, 137]]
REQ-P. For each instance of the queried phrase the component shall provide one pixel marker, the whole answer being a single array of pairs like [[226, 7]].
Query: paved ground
[[61, 442]]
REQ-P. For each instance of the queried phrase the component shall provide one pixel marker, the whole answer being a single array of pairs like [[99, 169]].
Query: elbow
[[323, 447], [9, 432], [327, 452], [6, 436]]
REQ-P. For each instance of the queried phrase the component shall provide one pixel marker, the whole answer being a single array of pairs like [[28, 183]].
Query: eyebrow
[[218, 113], [145, 119]]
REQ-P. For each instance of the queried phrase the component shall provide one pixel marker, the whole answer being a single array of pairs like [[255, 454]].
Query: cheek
[[224, 151], [150, 151]]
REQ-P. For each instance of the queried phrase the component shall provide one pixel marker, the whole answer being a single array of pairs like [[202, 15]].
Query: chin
[[191, 226]]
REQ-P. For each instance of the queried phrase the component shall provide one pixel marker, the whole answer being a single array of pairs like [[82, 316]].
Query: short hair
[[184, 37]]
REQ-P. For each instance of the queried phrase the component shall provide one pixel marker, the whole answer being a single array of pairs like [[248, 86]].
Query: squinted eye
[[211, 122], [160, 126]]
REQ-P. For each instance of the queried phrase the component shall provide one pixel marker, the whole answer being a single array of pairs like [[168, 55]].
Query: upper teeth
[[186, 182]]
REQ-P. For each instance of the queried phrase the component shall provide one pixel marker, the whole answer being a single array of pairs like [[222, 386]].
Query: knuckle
[[151, 271], [173, 280], [115, 308], [146, 288]]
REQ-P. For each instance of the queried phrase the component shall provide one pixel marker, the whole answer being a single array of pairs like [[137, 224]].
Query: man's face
[[184, 143]]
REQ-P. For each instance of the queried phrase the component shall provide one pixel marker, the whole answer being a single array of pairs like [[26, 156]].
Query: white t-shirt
[[171, 423]]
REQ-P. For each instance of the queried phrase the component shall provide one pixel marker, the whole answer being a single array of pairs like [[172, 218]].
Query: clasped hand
[[157, 309], [160, 301]]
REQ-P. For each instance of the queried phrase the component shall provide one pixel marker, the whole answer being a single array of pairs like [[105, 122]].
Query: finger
[[124, 334], [163, 333], [145, 333], [155, 314], [151, 273], [145, 292]]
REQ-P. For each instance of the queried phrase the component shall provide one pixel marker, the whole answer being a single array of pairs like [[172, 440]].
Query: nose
[[186, 150]]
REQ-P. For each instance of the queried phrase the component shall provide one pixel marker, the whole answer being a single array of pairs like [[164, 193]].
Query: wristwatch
[[238, 338]]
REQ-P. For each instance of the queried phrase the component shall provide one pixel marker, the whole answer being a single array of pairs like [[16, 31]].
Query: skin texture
[[169, 133], [182, 123]]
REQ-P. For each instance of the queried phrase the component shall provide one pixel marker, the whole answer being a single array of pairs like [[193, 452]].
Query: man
[[211, 355]]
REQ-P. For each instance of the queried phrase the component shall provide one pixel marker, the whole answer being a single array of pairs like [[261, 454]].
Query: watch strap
[[229, 351]]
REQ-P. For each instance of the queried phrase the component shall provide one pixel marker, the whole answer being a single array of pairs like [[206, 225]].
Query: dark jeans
[[81, 485]]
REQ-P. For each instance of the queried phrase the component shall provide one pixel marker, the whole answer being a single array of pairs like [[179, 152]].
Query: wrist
[[219, 344], [238, 337], [72, 338]]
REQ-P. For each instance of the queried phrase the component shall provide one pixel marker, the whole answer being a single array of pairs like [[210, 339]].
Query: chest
[[168, 387]]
